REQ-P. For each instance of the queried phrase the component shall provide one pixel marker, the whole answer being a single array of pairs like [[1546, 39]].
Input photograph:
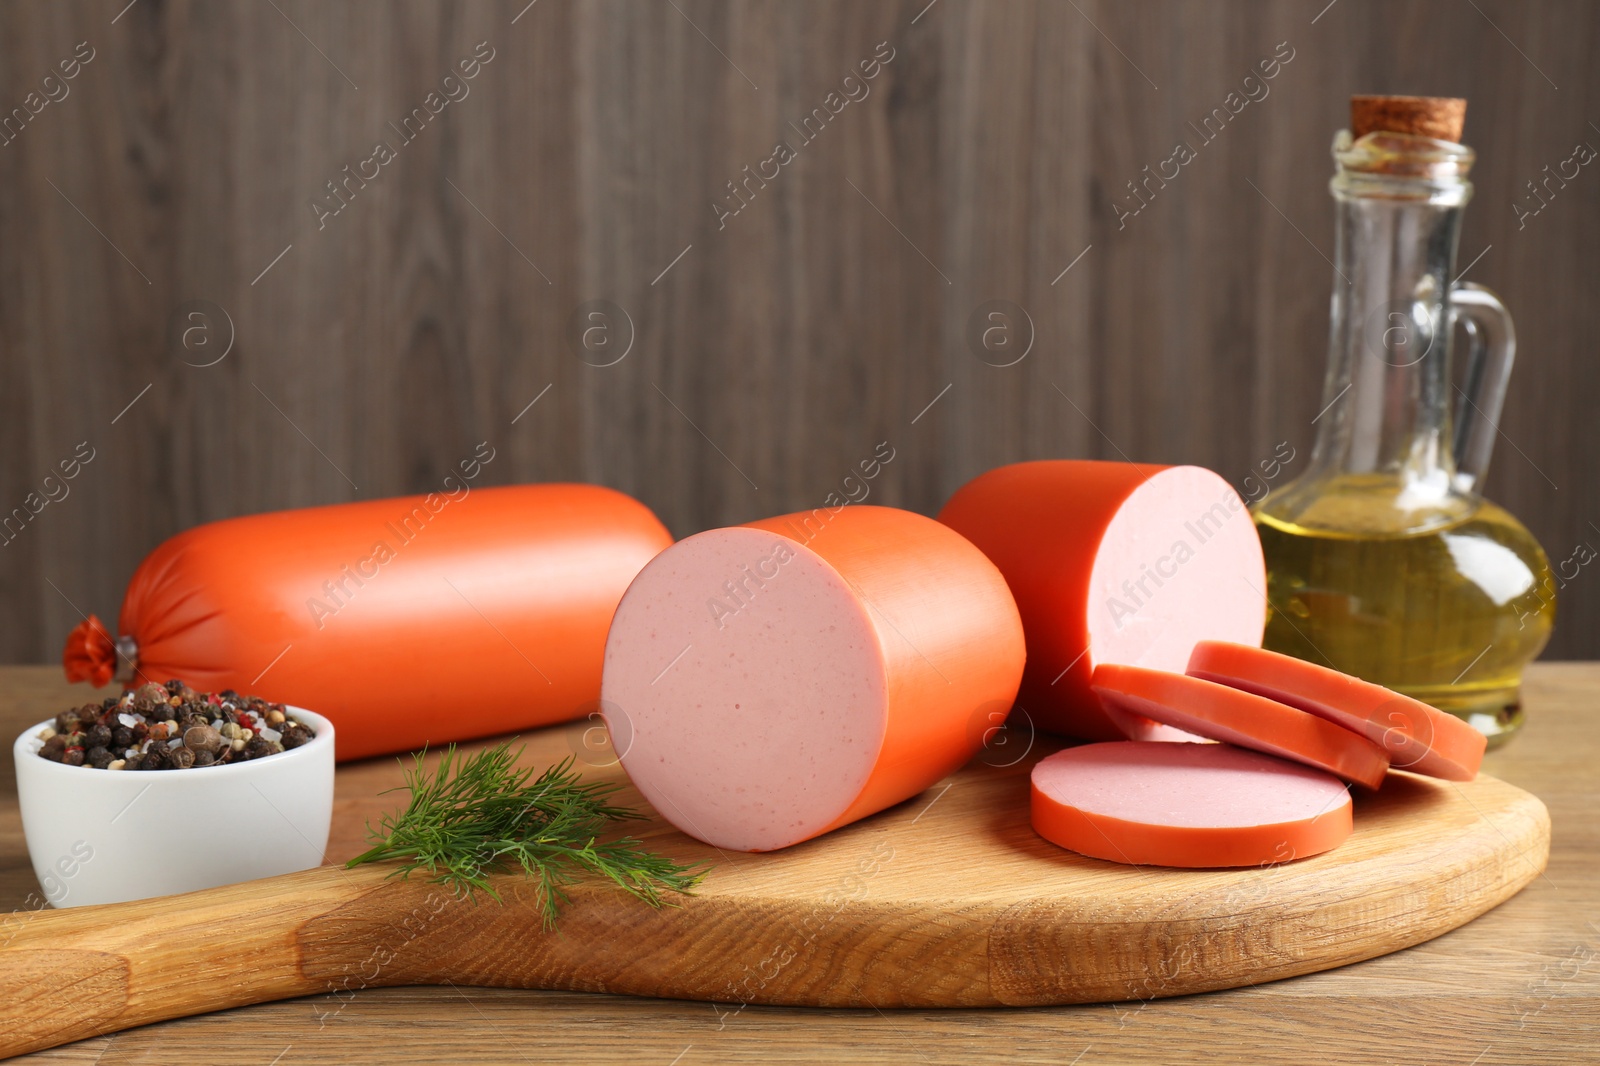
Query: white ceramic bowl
[[108, 836]]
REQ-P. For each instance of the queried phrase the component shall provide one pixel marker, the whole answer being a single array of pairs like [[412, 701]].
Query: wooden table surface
[[1519, 985]]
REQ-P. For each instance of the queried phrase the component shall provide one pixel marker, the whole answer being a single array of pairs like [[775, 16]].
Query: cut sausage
[[1113, 563], [767, 683], [1219, 712], [1416, 736], [407, 621], [1191, 805]]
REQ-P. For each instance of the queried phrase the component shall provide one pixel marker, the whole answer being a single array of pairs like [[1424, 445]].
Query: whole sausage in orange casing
[[407, 621]]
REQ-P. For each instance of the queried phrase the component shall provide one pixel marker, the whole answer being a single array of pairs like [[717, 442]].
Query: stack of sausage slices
[[1293, 737]]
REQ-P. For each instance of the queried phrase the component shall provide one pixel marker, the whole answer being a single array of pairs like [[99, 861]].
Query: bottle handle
[[1492, 347]]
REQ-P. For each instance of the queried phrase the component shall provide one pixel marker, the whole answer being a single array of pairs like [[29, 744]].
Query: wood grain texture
[[787, 340], [948, 900]]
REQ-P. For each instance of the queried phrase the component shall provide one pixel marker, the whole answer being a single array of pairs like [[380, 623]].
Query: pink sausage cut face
[[1179, 561], [745, 689], [1186, 805]]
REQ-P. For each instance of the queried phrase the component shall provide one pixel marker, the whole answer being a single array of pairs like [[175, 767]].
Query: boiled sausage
[[406, 621], [767, 683], [1113, 563]]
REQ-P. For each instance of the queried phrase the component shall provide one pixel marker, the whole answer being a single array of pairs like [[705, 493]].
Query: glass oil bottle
[[1383, 559]]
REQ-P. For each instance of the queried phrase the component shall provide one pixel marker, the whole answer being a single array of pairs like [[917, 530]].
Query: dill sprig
[[471, 817]]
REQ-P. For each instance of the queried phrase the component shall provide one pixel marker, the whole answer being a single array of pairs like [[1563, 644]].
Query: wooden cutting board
[[948, 900]]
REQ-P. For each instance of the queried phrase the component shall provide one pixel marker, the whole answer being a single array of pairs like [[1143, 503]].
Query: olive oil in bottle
[[1449, 615]]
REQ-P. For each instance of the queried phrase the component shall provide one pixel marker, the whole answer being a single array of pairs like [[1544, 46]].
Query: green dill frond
[[473, 817]]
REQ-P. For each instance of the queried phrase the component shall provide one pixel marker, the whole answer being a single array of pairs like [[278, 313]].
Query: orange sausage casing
[[407, 621]]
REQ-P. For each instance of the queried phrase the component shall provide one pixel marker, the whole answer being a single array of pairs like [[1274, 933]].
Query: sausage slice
[[1190, 805], [1417, 737], [1219, 712]]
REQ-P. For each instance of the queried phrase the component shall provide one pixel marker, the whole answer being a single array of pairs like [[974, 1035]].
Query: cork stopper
[[1439, 117]]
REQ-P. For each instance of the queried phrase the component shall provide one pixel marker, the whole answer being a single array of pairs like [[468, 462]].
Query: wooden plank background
[[767, 352]]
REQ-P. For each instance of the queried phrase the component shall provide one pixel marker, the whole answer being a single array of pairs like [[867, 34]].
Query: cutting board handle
[[86, 971]]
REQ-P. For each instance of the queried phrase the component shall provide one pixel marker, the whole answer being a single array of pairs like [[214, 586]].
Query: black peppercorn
[[80, 719], [121, 737], [54, 748], [98, 757], [73, 757], [181, 758], [294, 735], [99, 736], [204, 758]]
